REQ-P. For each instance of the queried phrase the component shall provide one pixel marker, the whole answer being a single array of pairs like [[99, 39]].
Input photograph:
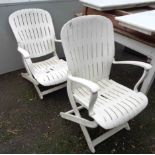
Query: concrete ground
[[31, 125]]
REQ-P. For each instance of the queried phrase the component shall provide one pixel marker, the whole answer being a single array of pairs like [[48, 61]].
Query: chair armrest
[[27, 60], [58, 41], [93, 87], [24, 53], [135, 63], [144, 65]]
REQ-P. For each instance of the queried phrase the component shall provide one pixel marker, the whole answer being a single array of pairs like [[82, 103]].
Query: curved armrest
[[59, 41], [93, 87], [144, 65], [135, 63], [24, 53], [27, 59]]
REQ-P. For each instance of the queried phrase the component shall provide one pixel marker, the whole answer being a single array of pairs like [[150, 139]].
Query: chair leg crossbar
[[35, 83], [109, 134], [69, 115]]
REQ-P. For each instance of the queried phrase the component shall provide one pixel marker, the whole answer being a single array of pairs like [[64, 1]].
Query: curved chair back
[[88, 43], [34, 31]]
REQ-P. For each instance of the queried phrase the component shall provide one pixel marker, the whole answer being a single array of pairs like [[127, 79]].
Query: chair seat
[[115, 105], [50, 72]]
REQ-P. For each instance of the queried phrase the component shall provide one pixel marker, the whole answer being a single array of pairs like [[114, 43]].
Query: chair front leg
[[82, 122]]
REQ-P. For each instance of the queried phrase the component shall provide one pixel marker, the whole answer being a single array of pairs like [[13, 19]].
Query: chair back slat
[[34, 31], [88, 43]]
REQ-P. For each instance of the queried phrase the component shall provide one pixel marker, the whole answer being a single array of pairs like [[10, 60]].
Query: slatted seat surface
[[50, 72], [115, 105]]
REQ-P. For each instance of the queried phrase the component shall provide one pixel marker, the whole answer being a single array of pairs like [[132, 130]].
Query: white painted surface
[[115, 4], [35, 35], [143, 22]]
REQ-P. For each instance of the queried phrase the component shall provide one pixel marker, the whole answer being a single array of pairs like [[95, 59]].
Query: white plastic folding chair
[[88, 43], [35, 35]]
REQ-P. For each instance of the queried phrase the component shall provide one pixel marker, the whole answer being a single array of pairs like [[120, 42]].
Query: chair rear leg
[[127, 127], [39, 92]]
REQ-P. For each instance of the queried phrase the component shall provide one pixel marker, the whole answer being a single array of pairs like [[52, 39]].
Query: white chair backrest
[[88, 43], [34, 31]]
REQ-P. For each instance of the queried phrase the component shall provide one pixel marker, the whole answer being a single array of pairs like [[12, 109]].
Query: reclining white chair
[[35, 35], [88, 43]]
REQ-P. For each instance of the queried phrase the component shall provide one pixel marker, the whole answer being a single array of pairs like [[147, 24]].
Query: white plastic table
[[103, 5], [143, 22]]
